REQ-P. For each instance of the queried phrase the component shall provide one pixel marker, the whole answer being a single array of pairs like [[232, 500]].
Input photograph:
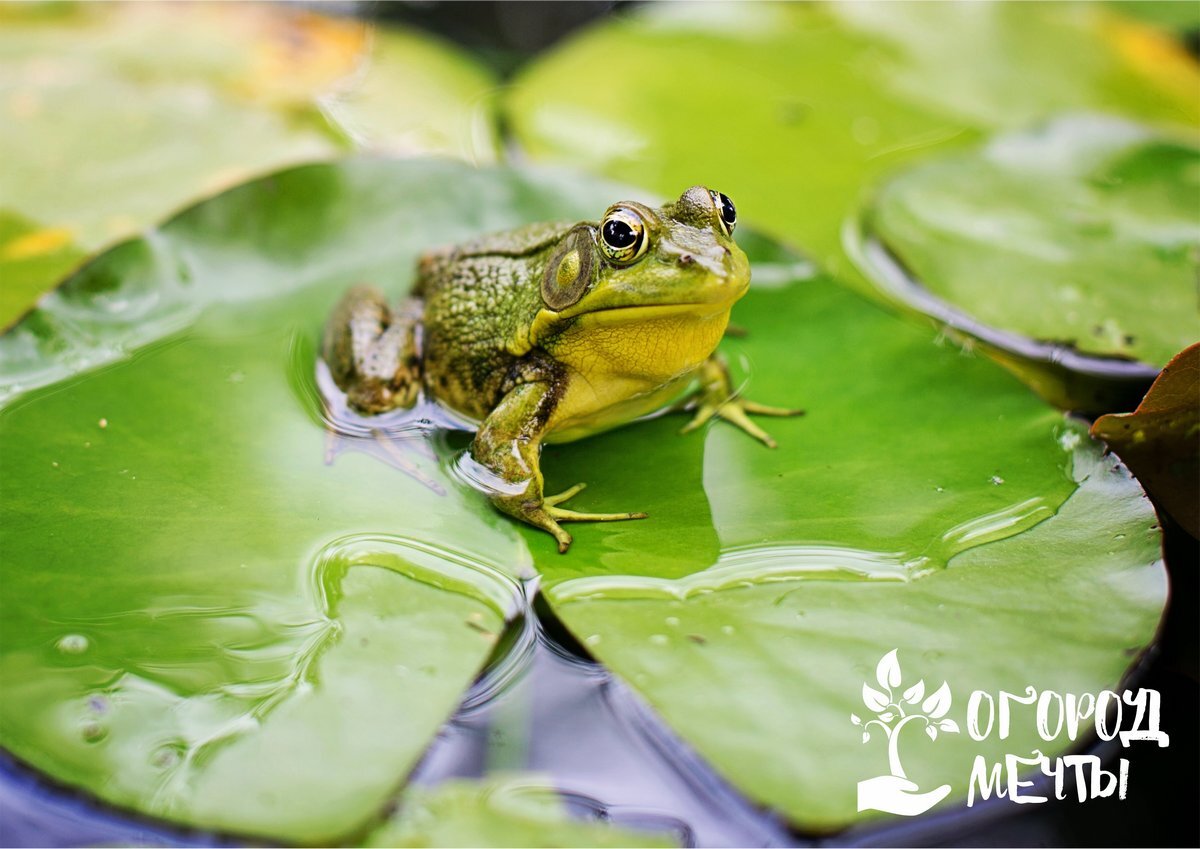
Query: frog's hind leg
[[373, 352]]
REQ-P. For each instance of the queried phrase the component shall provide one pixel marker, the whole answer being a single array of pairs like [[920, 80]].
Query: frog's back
[[477, 296]]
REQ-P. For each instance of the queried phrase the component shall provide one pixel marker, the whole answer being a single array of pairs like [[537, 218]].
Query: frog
[[554, 332]]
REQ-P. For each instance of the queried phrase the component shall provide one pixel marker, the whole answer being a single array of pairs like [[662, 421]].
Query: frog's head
[[639, 263]]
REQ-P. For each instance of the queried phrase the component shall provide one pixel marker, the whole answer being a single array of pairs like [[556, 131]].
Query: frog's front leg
[[373, 354], [715, 397], [508, 444]]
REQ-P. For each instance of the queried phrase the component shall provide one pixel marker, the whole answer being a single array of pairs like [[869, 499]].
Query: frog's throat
[[548, 324]]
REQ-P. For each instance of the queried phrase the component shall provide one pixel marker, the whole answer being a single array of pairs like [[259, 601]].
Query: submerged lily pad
[[1078, 240], [189, 629], [509, 810]]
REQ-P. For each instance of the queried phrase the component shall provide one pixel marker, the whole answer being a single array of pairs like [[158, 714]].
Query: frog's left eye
[[728, 212], [623, 235]]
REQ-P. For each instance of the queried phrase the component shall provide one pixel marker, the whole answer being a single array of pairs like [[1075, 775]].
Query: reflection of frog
[[553, 332]]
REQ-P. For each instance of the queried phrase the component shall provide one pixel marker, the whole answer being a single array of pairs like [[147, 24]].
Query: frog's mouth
[[700, 310]]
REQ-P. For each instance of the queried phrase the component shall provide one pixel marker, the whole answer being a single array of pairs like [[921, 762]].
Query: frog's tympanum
[[554, 332]]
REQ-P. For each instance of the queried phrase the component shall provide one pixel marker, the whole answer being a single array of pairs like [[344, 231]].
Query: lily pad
[[508, 810], [175, 468], [115, 115], [30, 256], [1076, 241], [985, 539]]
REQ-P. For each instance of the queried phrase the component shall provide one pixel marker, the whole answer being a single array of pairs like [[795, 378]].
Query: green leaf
[[29, 256], [925, 503], [179, 433], [1082, 234], [114, 115], [508, 810]]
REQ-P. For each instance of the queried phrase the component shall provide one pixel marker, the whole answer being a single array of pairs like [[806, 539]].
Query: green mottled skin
[[551, 333]]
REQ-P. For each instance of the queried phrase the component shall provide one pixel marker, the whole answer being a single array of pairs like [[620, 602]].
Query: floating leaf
[[1160, 440], [30, 255], [855, 719], [1078, 243], [117, 114]]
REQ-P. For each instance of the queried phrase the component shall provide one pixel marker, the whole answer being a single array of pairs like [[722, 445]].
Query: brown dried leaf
[[1160, 440]]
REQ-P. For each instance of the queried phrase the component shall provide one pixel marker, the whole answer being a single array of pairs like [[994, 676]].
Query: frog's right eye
[[623, 236]]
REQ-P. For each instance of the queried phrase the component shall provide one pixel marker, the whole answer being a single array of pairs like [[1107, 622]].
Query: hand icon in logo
[[895, 793]]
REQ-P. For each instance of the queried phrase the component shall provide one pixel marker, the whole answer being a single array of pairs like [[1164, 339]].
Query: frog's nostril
[[686, 259]]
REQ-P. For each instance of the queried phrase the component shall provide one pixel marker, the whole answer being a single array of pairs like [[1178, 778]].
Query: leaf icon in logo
[[887, 673], [931, 730], [854, 718], [874, 699], [936, 705], [948, 725], [915, 693]]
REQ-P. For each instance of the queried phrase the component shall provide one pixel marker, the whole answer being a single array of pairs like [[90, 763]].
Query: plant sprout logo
[[895, 793]]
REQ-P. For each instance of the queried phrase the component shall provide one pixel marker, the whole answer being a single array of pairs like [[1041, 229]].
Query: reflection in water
[[747, 566], [750, 565]]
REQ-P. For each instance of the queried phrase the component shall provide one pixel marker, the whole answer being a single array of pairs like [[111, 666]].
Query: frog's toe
[[735, 413], [764, 410], [563, 515], [703, 414], [551, 500], [540, 517]]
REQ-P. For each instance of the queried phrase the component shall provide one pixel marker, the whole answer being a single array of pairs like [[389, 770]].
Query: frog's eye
[[623, 236], [728, 212]]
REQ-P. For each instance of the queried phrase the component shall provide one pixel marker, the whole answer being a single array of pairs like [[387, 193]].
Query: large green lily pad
[[1083, 233], [188, 617], [115, 115]]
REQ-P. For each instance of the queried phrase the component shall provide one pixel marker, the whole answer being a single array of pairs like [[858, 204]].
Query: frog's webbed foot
[[547, 515], [716, 397]]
